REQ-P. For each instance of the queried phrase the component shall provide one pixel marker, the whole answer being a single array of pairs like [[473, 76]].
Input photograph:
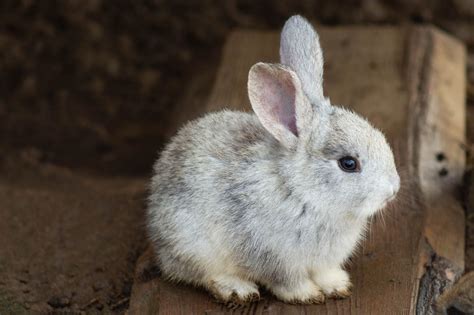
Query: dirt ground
[[69, 240], [89, 91]]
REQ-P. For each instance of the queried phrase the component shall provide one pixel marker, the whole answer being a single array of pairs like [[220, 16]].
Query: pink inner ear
[[280, 93]]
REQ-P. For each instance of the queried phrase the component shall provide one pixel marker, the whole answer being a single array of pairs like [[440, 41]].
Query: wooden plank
[[439, 124], [410, 83], [442, 147]]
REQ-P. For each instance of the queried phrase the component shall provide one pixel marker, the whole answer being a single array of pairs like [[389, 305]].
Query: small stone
[[59, 301], [23, 280], [99, 285]]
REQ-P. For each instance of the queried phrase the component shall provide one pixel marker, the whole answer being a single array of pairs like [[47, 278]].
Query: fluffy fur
[[239, 199]]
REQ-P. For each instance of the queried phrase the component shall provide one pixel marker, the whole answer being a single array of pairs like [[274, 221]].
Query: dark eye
[[349, 164]]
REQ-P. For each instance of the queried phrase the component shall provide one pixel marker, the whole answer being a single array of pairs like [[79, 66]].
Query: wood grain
[[410, 83], [438, 122]]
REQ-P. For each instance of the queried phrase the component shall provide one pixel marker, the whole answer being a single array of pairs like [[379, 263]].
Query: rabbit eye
[[349, 164]]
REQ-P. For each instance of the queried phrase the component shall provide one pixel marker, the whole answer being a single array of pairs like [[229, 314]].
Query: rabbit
[[279, 198]]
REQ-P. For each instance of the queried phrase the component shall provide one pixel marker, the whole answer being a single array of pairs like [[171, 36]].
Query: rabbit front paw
[[303, 292], [334, 282], [233, 291]]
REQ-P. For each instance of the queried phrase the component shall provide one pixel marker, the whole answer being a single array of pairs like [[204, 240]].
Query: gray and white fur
[[239, 199]]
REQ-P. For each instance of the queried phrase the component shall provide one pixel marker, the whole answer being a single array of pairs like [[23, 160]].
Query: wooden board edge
[[438, 144]]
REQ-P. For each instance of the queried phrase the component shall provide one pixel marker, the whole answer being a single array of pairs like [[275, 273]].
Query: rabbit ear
[[300, 50], [278, 100]]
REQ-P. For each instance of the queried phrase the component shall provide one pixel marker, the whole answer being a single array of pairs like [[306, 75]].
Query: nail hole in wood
[[440, 157], [443, 172]]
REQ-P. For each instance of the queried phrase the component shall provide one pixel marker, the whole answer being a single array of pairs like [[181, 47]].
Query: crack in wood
[[440, 274]]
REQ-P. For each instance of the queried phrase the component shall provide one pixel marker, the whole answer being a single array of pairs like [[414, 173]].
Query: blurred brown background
[[94, 83], [98, 87]]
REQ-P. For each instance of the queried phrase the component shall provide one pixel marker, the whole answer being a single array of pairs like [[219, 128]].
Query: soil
[[69, 240], [90, 90]]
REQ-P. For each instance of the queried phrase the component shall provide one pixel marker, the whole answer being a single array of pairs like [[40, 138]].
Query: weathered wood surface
[[410, 83]]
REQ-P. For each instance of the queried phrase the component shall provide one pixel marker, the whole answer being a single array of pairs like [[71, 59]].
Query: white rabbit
[[280, 198]]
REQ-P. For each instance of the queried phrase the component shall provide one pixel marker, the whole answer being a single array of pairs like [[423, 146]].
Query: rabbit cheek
[[365, 205]]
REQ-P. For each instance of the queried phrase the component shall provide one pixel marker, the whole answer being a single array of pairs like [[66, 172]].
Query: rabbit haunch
[[239, 199]]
